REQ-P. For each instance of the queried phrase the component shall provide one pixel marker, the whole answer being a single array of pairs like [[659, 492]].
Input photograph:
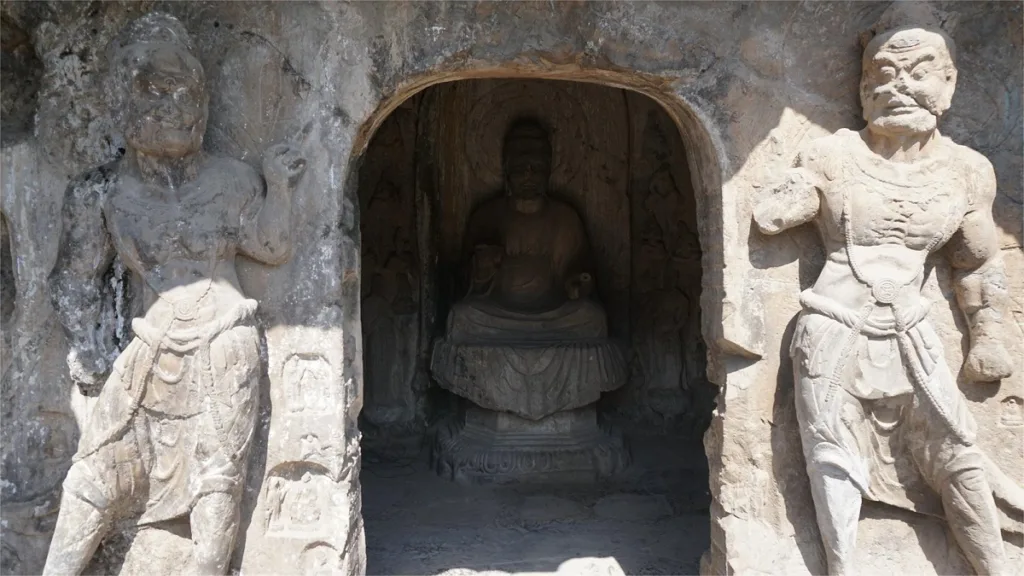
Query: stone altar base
[[486, 446], [533, 380]]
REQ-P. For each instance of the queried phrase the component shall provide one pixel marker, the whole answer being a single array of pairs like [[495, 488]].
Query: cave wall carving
[[747, 85]]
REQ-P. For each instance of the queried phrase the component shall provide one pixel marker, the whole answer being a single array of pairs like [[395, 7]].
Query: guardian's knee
[[214, 521], [84, 483], [969, 480], [965, 468], [829, 461]]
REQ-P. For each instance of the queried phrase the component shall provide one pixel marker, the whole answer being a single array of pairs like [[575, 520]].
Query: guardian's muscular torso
[[895, 216], [891, 215], [184, 248]]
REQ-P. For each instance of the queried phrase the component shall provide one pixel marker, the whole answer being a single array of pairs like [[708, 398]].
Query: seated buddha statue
[[528, 345], [528, 257]]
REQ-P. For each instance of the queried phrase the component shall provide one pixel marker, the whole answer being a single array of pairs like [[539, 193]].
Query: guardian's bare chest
[[916, 209], [201, 222]]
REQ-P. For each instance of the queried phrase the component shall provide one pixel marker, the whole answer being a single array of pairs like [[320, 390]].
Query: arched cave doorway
[[619, 160]]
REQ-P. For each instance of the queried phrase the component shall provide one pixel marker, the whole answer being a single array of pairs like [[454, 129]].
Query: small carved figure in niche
[[1012, 412], [666, 291], [308, 384], [664, 206], [390, 290], [170, 430], [276, 492], [389, 332], [529, 256], [528, 345], [304, 510], [883, 199]]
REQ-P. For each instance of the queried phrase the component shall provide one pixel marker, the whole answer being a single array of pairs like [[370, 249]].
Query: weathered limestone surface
[[748, 85]]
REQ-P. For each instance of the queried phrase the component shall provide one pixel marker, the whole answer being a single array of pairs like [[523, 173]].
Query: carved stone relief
[[301, 503], [589, 171], [173, 414], [528, 345], [617, 161], [311, 385], [321, 559], [745, 84], [876, 401], [1012, 413], [668, 383], [636, 196], [309, 493], [393, 374]]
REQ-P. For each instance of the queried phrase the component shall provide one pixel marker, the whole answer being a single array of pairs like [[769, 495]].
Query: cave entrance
[[618, 161]]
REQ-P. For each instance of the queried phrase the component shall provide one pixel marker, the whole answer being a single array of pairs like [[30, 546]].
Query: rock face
[[707, 105]]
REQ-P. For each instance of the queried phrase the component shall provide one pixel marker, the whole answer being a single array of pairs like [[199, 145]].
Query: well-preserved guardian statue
[[169, 433], [867, 362]]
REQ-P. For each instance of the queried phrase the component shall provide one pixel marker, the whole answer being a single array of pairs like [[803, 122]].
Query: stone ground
[[652, 519]]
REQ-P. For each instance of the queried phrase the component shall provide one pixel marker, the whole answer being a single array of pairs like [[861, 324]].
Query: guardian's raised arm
[[793, 202], [266, 220]]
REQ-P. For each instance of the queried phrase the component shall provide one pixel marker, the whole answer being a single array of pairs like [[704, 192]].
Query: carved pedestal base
[[486, 446], [533, 380]]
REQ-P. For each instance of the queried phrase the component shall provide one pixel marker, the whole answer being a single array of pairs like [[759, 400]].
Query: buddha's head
[[527, 160], [157, 89], [908, 78]]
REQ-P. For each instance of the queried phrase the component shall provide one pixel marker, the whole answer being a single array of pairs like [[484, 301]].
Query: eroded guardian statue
[[168, 435]]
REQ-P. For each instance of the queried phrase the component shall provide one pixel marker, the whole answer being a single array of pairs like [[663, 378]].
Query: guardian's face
[[907, 81], [527, 168], [167, 102]]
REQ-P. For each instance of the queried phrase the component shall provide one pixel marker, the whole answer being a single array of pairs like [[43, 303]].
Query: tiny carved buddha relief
[[528, 345]]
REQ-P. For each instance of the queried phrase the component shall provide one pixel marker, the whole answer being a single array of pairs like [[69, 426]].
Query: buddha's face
[[907, 82], [166, 101], [527, 168]]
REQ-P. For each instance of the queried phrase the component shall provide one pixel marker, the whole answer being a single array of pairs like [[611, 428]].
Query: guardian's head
[[158, 89], [908, 78]]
